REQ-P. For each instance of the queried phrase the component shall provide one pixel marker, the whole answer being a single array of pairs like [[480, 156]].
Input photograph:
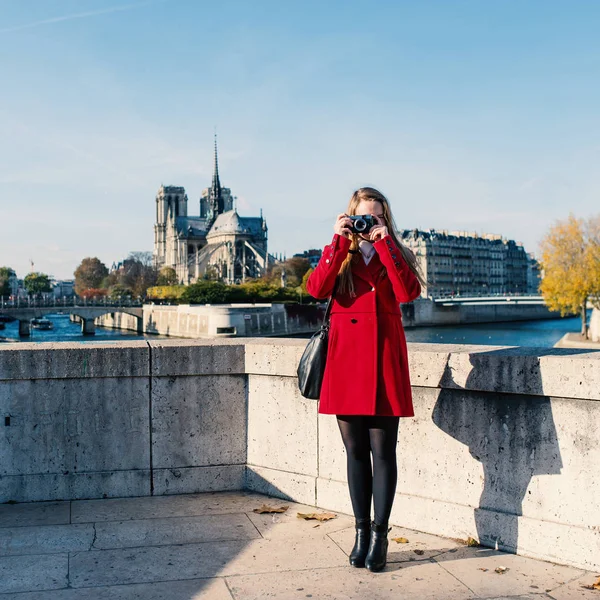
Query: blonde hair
[[345, 279]]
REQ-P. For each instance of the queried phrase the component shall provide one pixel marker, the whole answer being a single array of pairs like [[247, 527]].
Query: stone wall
[[595, 325], [424, 312], [221, 320], [503, 446]]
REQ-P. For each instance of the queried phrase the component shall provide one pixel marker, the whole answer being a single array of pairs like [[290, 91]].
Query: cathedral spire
[[215, 193], [216, 184]]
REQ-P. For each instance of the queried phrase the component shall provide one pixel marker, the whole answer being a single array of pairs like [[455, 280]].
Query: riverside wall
[[221, 320], [503, 446]]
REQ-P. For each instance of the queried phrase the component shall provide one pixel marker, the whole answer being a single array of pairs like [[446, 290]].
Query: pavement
[[216, 547]]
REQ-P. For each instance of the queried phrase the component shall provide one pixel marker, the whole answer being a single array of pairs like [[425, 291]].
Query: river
[[543, 333]]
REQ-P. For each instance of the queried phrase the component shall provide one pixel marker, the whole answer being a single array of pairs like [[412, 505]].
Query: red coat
[[367, 362]]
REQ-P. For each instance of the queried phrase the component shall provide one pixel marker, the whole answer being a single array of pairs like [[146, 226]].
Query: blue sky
[[471, 115]]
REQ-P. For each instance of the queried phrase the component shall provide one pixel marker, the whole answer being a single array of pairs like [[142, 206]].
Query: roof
[[191, 226], [231, 222]]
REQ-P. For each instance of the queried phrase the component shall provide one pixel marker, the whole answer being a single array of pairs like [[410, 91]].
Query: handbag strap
[[328, 309]]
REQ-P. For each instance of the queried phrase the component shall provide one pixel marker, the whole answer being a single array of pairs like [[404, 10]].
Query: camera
[[362, 223]]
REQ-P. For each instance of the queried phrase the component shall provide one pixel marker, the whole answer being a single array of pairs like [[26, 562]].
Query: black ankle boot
[[361, 542], [378, 546]]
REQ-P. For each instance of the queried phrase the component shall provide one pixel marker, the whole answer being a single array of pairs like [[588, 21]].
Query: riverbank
[[575, 340]]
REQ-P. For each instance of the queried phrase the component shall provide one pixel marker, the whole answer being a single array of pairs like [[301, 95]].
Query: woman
[[366, 381]]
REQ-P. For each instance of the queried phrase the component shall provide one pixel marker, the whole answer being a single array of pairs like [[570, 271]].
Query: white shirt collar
[[366, 249]]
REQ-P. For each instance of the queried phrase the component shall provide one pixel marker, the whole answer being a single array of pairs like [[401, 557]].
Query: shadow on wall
[[512, 435]]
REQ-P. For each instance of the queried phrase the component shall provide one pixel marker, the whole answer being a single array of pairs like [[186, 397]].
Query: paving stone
[[425, 581], [139, 565], [176, 530], [574, 590], [152, 507], [289, 525], [213, 546], [34, 513], [33, 572], [468, 564], [194, 589], [45, 539]]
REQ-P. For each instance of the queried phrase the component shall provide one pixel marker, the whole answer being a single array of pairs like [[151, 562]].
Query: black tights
[[363, 434]]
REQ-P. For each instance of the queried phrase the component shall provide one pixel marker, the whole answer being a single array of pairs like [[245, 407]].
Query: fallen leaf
[[318, 516], [265, 508], [472, 542], [419, 552], [594, 586], [501, 569], [400, 540]]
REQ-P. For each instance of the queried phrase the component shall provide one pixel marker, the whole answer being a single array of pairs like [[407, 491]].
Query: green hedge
[[172, 293], [214, 292]]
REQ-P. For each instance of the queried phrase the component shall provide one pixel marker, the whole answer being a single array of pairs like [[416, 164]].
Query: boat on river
[[42, 323]]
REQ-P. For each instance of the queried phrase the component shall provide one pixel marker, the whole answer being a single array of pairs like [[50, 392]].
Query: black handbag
[[312, 363]]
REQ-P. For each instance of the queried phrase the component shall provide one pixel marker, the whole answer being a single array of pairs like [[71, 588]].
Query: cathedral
[[218, 244]]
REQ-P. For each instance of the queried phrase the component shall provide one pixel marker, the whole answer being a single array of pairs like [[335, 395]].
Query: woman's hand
[[342, 225], [379, 231]]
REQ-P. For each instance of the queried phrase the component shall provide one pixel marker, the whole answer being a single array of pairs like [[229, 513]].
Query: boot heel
[[376, 557], [361, 543]]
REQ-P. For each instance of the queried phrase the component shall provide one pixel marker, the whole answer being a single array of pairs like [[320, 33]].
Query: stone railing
[[503, 447]]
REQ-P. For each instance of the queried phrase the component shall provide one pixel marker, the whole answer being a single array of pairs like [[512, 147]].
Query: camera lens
[[360, 224]]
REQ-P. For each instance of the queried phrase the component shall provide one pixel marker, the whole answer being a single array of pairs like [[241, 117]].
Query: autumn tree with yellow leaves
[[571, 267]]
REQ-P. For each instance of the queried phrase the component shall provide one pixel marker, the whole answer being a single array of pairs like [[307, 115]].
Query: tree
[[5, 274], [305, 279], [138, 273], [571, 267], [36, 283], [90, 274], [295, 268], [167, 276]]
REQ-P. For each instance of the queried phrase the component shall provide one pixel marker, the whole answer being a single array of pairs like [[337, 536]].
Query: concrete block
[[332, 453], [62, 360], [196, 357], [519, 578], [282, 426], [193, 589], [56, 486], [333, 495], [594, 331], [198, 421], [74, 425], [575, 590], [281, 484], [349, 583], [45, 539], [180, 530], [164, 563], [33, 572], [564, 372], [152, 507], [32, 514], [287, 525], [433, 464], [189, 480], [278, 356], [69, 427]]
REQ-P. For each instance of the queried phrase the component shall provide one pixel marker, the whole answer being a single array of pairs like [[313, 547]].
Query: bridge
[[452, 300], [86, 311]]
